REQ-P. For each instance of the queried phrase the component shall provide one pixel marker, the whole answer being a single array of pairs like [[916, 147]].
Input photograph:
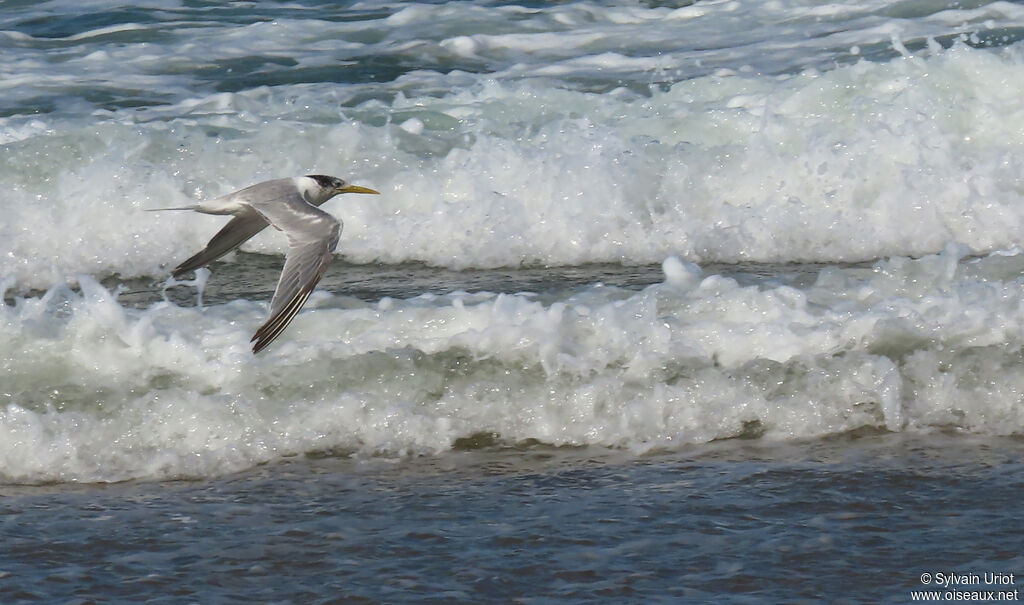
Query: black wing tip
[[259, 346], [269, 331], [191, 264], [263, 339]]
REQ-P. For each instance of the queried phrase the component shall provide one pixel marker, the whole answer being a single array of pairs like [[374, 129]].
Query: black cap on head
[[327, 182]]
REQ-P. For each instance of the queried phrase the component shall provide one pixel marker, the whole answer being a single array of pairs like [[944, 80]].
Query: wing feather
[[269, 331], [303, 268], [236, 232], [312, 236]]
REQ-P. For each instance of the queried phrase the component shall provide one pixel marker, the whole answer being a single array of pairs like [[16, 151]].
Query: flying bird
[[290, 205]]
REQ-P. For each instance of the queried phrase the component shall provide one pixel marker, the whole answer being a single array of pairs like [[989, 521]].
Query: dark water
[[254, 276], [852, 519]]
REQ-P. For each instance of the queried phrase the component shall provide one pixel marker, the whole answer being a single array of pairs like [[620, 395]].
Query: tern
[[290, 205]]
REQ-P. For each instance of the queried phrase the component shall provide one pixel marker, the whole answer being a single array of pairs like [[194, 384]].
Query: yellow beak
[[356, 189]]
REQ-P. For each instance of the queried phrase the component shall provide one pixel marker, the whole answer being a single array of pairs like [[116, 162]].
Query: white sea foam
[[906, 345], [859, 162], [723, 131]]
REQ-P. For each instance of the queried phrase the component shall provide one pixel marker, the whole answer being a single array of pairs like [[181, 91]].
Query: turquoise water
[[660, 302]]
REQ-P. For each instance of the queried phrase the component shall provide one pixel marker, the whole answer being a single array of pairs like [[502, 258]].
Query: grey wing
[[303, 269], [236, 232], [312, 236]]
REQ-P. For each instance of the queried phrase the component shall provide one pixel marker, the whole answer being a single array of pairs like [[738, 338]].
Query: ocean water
[[661, 302]]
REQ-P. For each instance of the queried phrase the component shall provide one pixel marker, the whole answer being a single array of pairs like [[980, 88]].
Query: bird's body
[[289, 205]]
